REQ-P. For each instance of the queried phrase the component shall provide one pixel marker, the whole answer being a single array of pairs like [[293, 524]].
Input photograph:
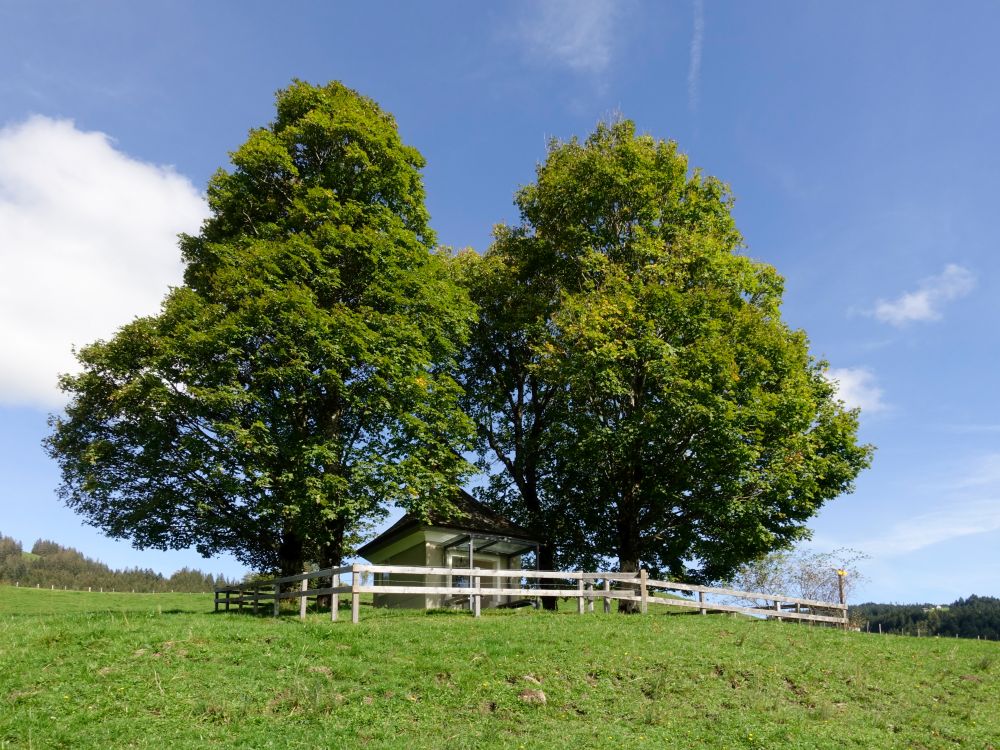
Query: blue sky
[[859, 140]]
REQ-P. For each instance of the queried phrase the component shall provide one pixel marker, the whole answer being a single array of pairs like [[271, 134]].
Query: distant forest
[[977, 616], [50, 564]]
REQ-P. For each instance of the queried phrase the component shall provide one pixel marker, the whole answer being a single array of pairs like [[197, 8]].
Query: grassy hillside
[[152, 670]]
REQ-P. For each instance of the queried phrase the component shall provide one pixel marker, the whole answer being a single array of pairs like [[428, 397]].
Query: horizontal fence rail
[[635, 587]]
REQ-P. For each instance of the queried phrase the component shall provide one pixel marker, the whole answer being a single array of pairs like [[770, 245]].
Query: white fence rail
[[607, 586]]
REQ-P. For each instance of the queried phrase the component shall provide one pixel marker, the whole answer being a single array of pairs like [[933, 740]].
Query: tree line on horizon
[[971, 617], [614, 364], [51, 564]]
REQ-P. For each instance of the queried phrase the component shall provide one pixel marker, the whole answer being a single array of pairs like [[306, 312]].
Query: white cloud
[[981, 474], [856, 387], [88, 241], [957, 520], [694, 64], [925, 303], [932, 533], [577, 34], [968, 500]]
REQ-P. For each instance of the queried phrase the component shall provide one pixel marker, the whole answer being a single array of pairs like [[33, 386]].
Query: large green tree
[[514, 408], [643, 399], [299, 379]]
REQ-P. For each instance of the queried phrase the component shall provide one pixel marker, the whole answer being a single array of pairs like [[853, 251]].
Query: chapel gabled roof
[[472, 518]]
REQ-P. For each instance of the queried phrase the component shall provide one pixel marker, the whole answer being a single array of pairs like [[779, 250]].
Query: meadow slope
[[159, 670]]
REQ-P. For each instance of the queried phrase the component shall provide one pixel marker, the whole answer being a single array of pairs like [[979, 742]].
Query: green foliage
[[974, 617], [51, 564], [514, 408], [631, 375], [145, 671], [298, 381]]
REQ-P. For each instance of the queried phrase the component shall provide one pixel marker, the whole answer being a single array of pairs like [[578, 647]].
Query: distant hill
[[976, 616], [50, 564]]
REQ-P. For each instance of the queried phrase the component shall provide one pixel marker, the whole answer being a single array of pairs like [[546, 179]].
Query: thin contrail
[[694, 68]]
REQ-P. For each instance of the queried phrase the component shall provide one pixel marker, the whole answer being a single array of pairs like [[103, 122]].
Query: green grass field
[[161, 670]]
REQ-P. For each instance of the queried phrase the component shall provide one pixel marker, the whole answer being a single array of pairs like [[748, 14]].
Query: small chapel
[[474, 537]]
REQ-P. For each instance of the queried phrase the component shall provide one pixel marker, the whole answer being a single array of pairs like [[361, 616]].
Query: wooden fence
[[606, 586]]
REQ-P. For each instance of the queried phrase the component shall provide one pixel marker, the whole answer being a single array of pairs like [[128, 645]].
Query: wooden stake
[[643, 575], [477, 597], [303, 599], [355, 595], [334, 598], [472, 552], [841, 574]]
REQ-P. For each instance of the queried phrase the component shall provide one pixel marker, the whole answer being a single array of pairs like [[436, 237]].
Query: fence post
[[579, 598], [590, 598], [841, 574], [472, 553], [303, 600], [277, 599], [334, 598], [355, 594], [643, 575], [777, 606], [256, 598], [477, 598], [607, 599], [701, 601], [227, 600]]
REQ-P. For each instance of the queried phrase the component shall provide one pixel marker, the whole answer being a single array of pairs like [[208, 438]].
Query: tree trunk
[[628, 556], [331, 553], [546, 561], [291, 557], [331, 549], [626, 607], [527, 485]]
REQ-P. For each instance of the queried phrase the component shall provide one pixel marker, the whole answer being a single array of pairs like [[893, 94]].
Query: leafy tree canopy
[[51, 564], [972, 617], [631, 376], [298, 380]]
